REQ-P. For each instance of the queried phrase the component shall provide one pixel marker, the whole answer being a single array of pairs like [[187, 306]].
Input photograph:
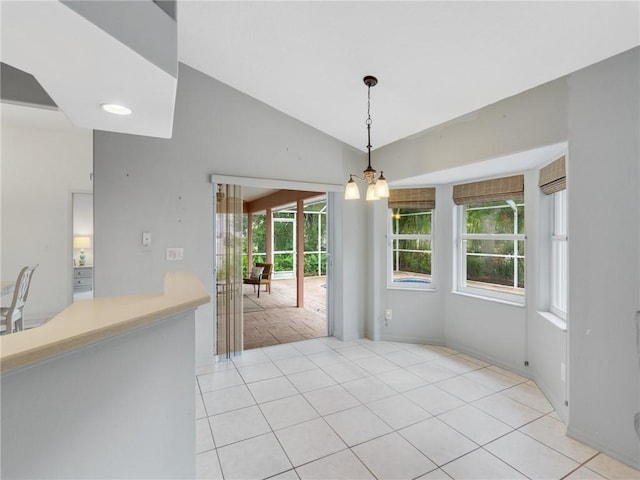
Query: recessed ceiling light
[[115, 109]]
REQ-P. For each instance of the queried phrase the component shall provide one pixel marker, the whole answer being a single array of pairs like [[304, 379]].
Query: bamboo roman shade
[[412, 198], [506, 188], [553, 177]]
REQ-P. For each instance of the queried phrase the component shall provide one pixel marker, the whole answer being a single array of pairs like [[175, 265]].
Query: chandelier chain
[[368, 122], [368, 106]]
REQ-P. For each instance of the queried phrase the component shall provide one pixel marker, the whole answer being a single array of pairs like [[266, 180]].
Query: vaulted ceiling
[[434, 60]]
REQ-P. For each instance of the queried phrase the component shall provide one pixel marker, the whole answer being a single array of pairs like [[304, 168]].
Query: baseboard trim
[[489, 359], [416, 340], [603, 448], [557, 403]]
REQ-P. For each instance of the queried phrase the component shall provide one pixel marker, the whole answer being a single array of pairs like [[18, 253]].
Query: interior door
[[228, 271]]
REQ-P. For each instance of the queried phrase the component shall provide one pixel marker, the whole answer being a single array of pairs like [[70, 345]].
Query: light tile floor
[[326, 409]]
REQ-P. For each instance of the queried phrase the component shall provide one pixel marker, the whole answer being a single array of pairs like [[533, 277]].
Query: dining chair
[[13, 315]]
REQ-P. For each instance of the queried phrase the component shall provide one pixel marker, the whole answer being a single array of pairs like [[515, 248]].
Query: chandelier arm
[[364, 179]]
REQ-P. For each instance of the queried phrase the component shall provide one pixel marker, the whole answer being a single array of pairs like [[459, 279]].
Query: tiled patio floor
[[273, 318]]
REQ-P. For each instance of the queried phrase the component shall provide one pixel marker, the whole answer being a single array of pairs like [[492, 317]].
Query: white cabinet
[[82, 279]]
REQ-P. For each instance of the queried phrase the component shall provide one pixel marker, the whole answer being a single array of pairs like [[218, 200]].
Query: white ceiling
[[46, 118], [81, 66], [435, 61]]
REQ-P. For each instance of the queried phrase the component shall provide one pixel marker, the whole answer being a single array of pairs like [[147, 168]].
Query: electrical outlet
[[388, 314], [175, 254]]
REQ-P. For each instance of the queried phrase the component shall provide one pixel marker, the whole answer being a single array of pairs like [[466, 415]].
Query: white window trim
[[417, 286], [461, 267], [557, 238]]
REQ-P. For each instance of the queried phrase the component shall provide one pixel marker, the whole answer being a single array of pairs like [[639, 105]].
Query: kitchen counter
[[90, 321]]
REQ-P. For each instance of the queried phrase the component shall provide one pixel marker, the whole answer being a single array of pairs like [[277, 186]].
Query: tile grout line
[[584, 464], [375, 376]]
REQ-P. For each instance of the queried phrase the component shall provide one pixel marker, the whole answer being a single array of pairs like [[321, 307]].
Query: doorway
[[82, 245], [294, 305], [294, 265]]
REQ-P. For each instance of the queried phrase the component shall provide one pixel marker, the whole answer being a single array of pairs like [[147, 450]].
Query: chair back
[[20, 294], [268, 268]]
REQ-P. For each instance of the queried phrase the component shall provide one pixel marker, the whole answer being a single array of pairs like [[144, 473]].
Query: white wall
[[121, 408], [604, 251], [532, 119], [546, 340], [494, 331], [596, 111], [417, 316], [44, 159], [162, 186]]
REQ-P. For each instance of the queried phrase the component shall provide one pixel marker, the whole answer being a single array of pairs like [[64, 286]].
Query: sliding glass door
[[228, 269]]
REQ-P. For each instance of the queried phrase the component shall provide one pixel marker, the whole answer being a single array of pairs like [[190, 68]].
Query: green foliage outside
[[283, 240], [412, 255], [259, 241], [495, 217], [283, 262], [492, 261], [494, 270], [416, 262], [311, 264]]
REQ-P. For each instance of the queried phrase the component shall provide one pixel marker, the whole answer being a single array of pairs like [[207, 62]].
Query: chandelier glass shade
[[376, 187]]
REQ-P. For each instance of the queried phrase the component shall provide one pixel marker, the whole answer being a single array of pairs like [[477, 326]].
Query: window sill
[[554, 320], [488, 299], [411, 289]]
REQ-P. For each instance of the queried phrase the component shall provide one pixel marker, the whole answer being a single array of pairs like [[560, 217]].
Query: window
[[410, 237], [259, 241], [559, 260], [492, 248], [410, 252], [491, 238], [283, 238], [553, 182]]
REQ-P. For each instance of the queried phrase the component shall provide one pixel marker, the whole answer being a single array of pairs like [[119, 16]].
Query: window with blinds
[[491, 238], [410, 248], [553, 182]]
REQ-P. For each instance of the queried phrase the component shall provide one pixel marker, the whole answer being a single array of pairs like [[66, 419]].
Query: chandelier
[[377, 187]]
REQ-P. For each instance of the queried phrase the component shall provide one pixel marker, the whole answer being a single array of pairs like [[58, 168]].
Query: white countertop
[[89, 321]]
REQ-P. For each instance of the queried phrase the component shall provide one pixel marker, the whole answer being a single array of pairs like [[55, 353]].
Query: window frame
[[391, 237], [462, 237], [559, 268]]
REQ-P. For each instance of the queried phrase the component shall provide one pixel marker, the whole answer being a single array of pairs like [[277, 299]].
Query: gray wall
[[163, 187], [120, 408]]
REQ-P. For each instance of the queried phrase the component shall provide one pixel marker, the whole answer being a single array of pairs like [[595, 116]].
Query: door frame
[[328, 189], [72, 194]]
